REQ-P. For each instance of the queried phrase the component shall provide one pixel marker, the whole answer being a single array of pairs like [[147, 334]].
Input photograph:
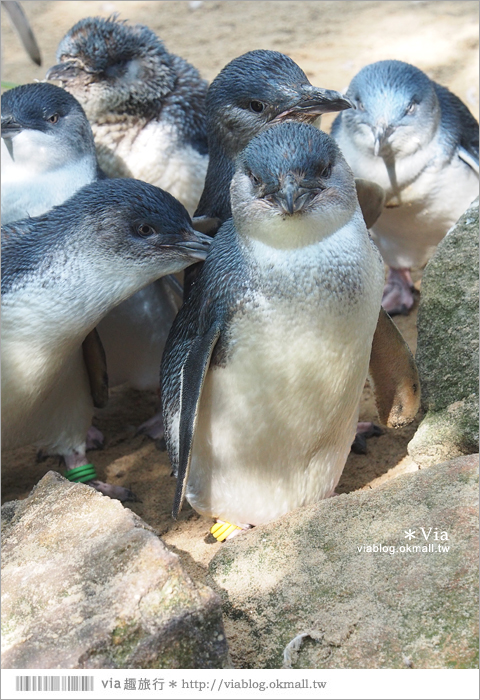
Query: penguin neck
[[300, 232], [72, 291], [215, 199], [29, 193]]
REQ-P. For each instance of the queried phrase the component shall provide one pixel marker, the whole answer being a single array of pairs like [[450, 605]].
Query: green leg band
[[82, 474]]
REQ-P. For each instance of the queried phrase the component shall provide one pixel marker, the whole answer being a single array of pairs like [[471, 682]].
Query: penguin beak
[[10, 127], [291, 198], [64, 71], [195, 246], [381, 134], [313, 102]]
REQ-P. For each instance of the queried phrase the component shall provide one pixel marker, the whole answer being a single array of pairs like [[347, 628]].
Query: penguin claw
[[119, 493]]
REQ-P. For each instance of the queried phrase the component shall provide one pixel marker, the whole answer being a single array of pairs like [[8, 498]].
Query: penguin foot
[[398, 291], [78, 471], [365, 430], [153, 427], [225, 531], [117, 492], [95, 439]]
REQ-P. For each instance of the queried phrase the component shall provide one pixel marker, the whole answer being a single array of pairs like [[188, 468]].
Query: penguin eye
[[359, 104], [411, 107], [254, 178], [145, 230], [53, 119], [256, 106], [327, 171]]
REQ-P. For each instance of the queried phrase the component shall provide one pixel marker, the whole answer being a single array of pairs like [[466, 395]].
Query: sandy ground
[[331, 41]]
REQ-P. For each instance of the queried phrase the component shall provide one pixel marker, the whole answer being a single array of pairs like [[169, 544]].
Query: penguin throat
[[292, 232]]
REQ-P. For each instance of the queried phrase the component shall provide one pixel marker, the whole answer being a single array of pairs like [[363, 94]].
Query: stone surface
[[447, 350], [309, 574], [87, 584]]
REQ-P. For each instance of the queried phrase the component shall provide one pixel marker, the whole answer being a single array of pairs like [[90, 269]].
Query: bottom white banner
[[245, 684]]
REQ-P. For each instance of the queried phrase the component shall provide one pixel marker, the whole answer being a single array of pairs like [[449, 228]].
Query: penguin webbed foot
[[222, 530], [398, 293], [365, 430], [95, 439], [153, 427], [118, 493], [77, 461]]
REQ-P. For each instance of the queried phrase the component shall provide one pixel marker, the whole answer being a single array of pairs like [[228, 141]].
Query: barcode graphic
[[52, 683]]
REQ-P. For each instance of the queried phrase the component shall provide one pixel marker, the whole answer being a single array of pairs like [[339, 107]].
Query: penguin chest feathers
[[278, 414], [156, 153]]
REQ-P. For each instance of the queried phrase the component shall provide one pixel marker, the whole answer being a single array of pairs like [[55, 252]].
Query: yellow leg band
[[222, 530]]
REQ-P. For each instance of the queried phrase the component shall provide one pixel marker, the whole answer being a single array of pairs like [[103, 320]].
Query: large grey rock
[[310, 574], [447, 350], [87, 584]]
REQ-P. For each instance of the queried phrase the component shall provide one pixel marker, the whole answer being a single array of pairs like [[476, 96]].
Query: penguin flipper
[[371, 198], [394, 375], [194, 371], [96, 364], [23, 29], [469, 158]]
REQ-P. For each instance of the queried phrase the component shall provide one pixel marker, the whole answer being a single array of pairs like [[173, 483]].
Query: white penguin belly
[[46, 397], [27, 191], [153, 154], [432, 198], [276, 423], [134, 336], [408, 235]]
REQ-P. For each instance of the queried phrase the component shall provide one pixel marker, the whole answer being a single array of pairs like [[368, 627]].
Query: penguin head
[[397, 110], [292, 186], [111, 66], [258, 88], [138, 225], [44, 127], [115, 236]]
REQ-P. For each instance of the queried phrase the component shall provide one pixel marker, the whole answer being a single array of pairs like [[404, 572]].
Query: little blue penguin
[[61, 273], [147, 111], [419, 142], [48, 152], [146, 105], [266, 361]]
